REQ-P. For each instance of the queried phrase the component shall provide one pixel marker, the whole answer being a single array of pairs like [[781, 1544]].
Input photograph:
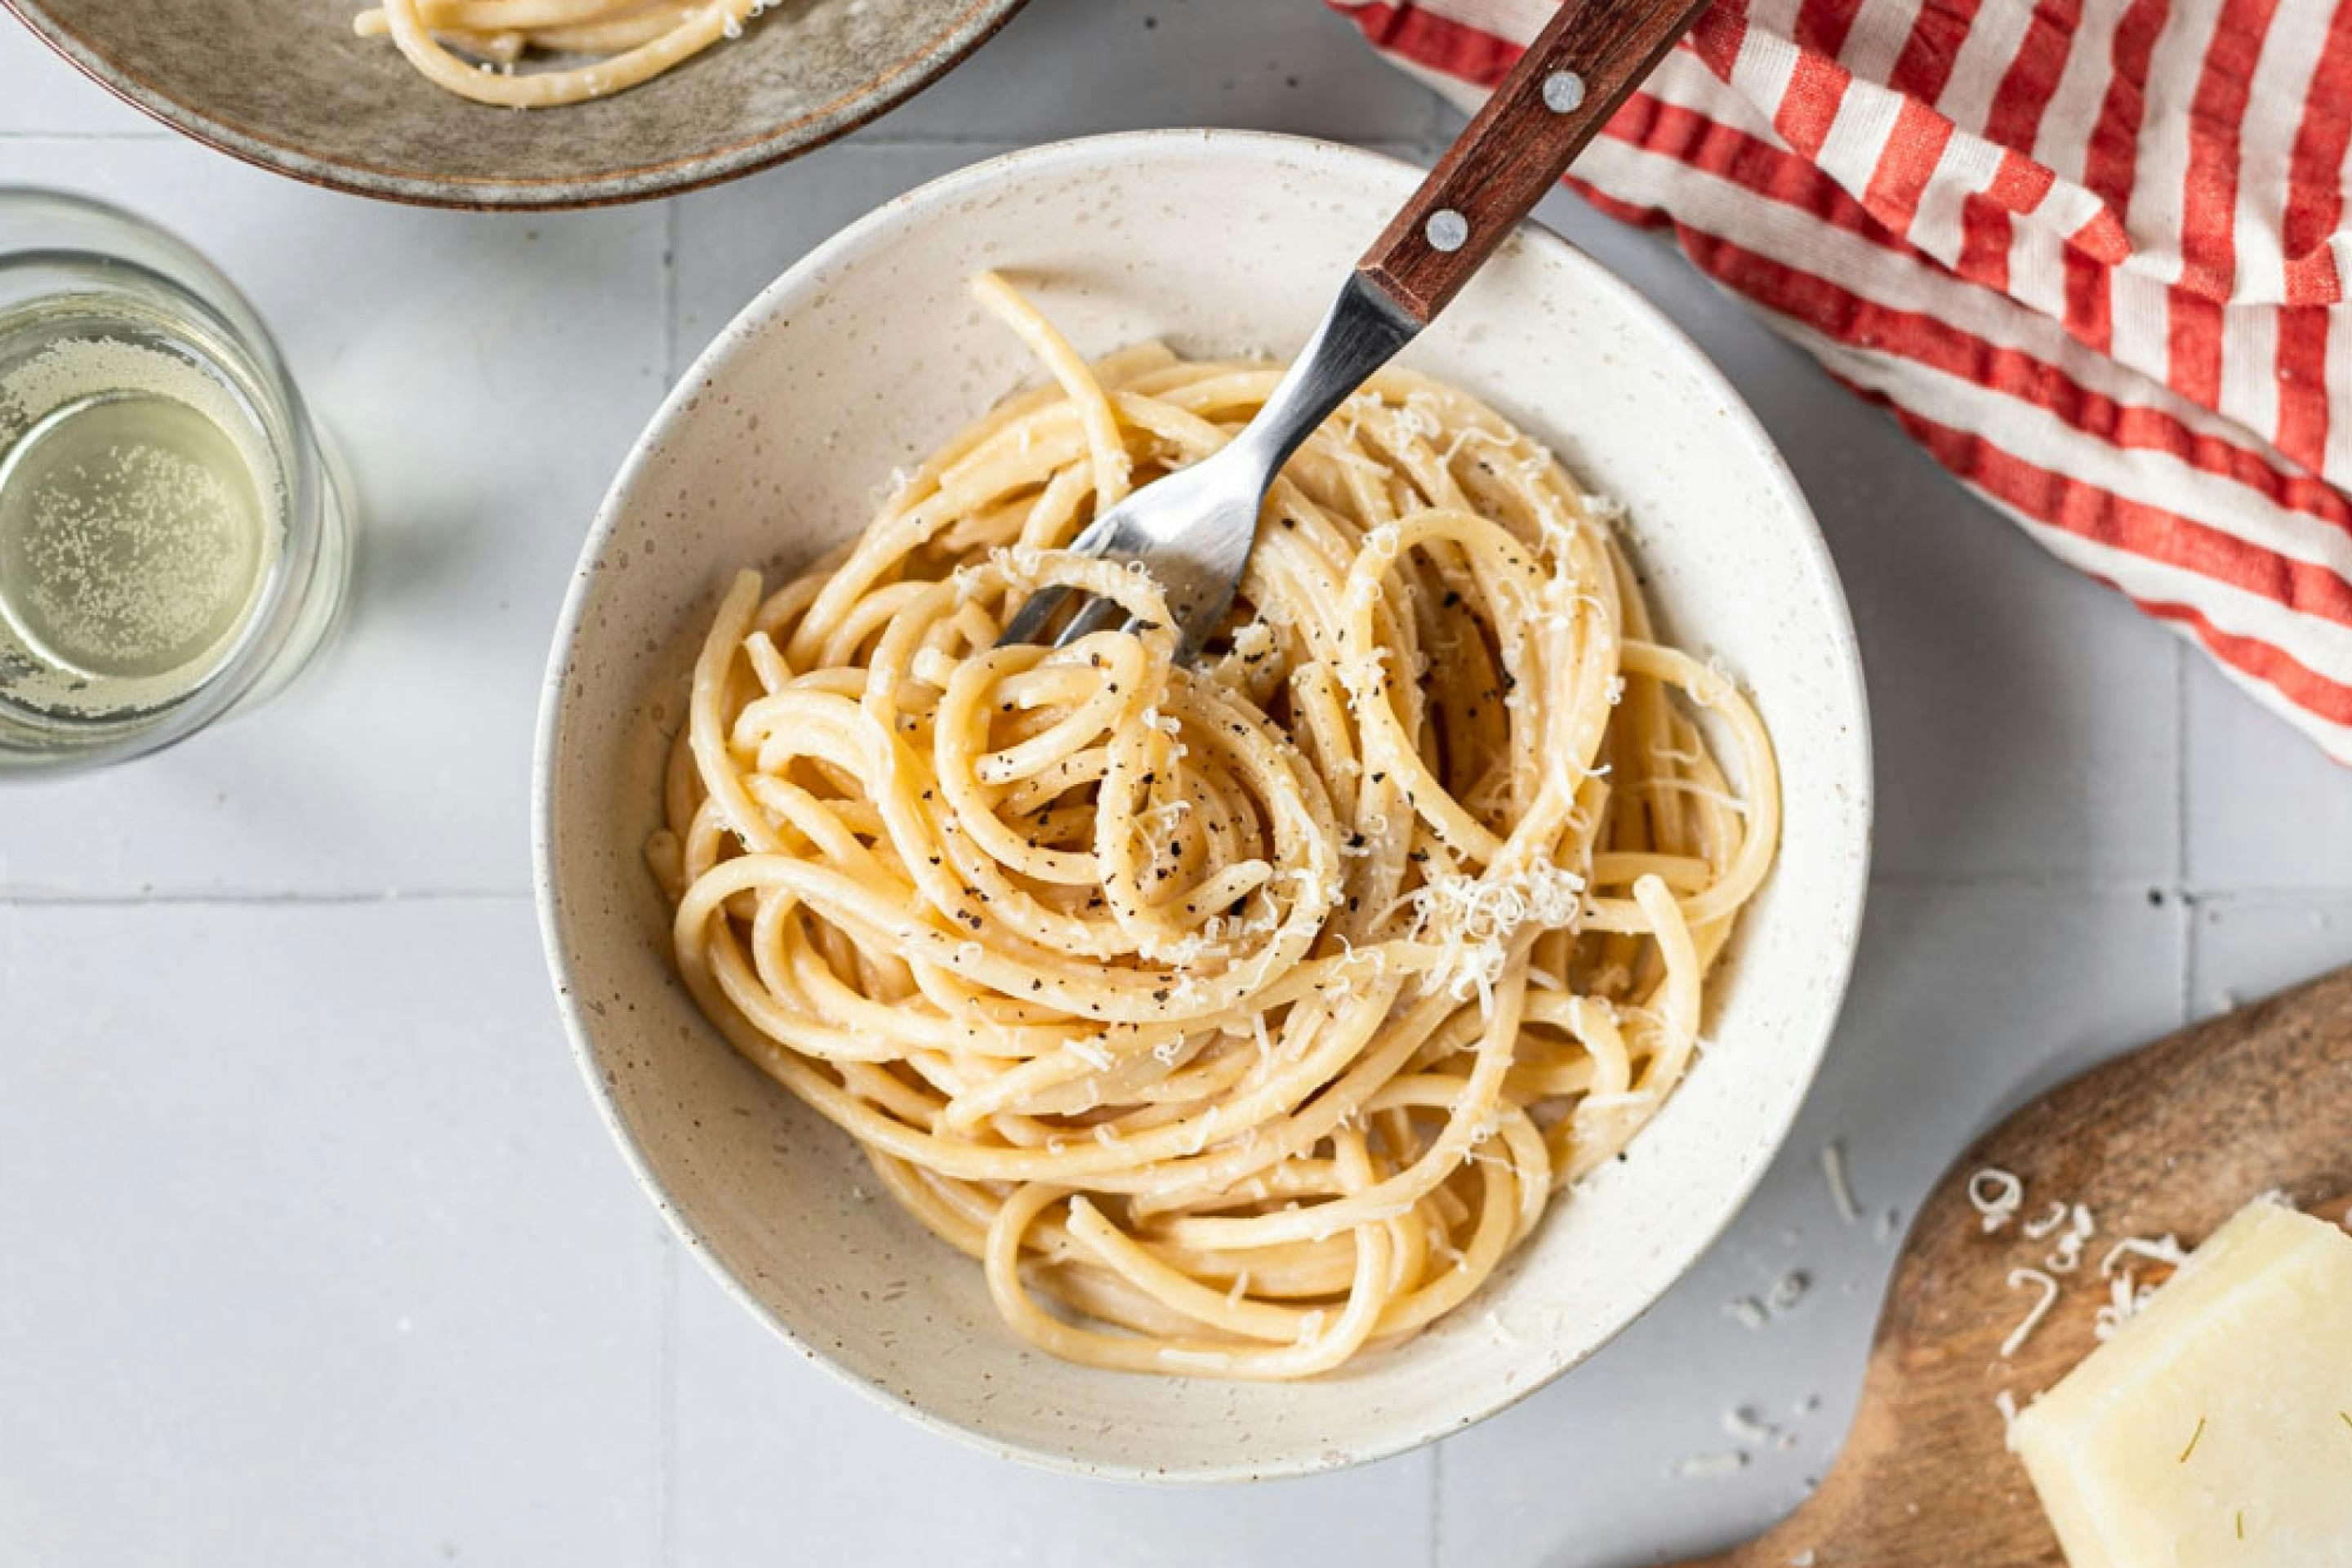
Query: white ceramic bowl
[[777, 445]]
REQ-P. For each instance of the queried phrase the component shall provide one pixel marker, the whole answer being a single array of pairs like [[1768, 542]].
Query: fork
[[1194, 529]]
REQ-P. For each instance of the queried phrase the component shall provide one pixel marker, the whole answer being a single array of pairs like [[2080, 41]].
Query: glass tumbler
[[174, 542]]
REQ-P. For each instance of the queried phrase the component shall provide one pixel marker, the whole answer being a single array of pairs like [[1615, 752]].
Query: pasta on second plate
[[1241, 1018], [473, 47]]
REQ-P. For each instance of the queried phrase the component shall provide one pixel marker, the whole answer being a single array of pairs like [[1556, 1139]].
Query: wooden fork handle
[[1571, 79]]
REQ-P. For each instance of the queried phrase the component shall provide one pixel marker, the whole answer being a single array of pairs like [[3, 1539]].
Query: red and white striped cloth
[[2090, 253]]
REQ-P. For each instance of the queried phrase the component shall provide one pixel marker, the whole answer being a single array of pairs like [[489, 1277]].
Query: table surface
[[314, 1250]]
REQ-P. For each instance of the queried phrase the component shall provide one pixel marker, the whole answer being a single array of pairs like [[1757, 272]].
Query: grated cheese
[[1198, 1138], [2006, 1403], [2018, 1280], [1841, 1193], [2166, 1250], [1604, 509], [2126, 1298], [1997, 1195], [1475, 918], [2070, 1242]]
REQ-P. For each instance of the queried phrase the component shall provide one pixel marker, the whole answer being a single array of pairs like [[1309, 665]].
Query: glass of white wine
[[173, 539]]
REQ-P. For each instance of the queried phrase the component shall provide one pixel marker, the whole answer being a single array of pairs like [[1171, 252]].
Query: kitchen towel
[[2090, 253]]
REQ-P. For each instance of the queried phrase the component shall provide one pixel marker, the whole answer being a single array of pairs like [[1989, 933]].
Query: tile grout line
[[2180, 762], [1436, 1503], [140, 135], [41, 899], [2180, 831], [2118, 885], [666, 1399], [2188, 913], [665, 294]]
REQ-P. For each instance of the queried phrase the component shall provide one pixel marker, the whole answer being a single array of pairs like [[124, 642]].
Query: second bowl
[[290, 87]]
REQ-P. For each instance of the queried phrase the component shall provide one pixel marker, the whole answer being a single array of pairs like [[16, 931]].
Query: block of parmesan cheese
[[2217, 1426]]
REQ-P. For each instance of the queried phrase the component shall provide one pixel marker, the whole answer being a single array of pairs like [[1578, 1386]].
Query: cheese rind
[[2217, 1426]]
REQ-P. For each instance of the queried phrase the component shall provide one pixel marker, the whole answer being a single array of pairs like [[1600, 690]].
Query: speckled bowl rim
[[972, 27], [1128, 150]]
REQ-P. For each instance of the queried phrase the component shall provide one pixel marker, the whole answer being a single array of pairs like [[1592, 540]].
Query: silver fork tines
[[1194, 529]]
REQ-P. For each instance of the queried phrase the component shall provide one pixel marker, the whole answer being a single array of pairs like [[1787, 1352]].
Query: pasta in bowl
[[1249, 1015], [1383, 1008]]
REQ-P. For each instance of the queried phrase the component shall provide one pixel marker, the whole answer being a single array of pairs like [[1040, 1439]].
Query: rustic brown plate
[[285, 84]]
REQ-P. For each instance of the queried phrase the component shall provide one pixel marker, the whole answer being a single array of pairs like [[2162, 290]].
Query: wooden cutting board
[[2171, 1137]]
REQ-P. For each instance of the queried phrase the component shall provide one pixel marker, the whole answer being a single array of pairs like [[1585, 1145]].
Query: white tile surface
[[1967, 999], [346, 1114], [2250, 946], [315, 1251], [485, 376], [39, 93], [734, 241], [864, 1488], [2266, 809], [1073, 67]]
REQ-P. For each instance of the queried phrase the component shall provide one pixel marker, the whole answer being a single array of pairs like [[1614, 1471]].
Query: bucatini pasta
[[473, 47], [1235, 1018]]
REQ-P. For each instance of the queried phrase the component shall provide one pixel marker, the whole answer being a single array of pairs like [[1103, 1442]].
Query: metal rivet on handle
[[1562, 91], [1447, 230]]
